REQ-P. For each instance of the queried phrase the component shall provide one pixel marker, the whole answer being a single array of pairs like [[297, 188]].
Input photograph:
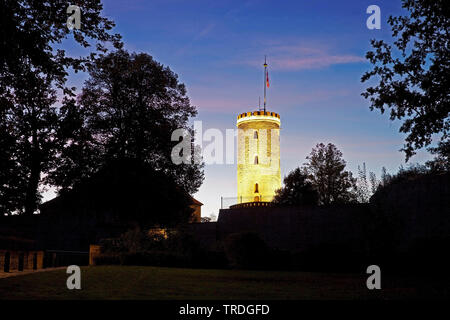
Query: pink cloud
[[223, 105], [304, 56], [319, 61]]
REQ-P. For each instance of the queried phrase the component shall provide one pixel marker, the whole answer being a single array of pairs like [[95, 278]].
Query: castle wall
[[299, 228], [418, 209]]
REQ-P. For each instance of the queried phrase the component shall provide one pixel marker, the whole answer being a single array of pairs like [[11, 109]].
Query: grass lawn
[[129, 282]]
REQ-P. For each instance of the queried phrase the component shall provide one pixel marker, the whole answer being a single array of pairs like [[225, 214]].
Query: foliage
[[44, 144], [175, 249], [326, 172], [441, 162], [30, 69], [411, 172], [32, 30], [12, 181], [30, 127], [362, 185], [365, 186], [414, 79], [296, 191], [129, 107], [374, 182], [385, 177]]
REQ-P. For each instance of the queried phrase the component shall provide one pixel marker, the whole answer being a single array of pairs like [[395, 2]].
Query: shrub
[[155, 258], [107, 259], [178, 249]]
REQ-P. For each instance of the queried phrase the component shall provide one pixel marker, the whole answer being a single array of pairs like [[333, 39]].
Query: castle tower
[[258, 153]]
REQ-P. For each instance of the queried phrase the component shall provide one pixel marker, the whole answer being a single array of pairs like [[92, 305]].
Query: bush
[[178, 249], [107, 259], [156, 258], [246, 251]]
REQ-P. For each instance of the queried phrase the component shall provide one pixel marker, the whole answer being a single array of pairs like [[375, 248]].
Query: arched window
[[255, 135], [256, 160], [256, 188]]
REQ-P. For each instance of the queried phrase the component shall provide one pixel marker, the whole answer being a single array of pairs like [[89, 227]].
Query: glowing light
[[258, 169]]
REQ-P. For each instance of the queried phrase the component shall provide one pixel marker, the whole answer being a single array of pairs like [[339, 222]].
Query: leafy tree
[[441, 163], [80, 153], [326, 171], [374, 183], [32, 31], [128, 108], [365, 186], [411, 172], [414, 73], [12, 185], [385, 177], [33, 121], [296, 191], [362, 185], [31, 66], [212, 217]]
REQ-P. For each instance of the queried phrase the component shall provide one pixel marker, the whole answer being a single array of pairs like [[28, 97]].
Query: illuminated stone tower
[[258, 153]]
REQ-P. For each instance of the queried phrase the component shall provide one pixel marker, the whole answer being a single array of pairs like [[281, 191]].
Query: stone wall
[[299, 228], [413, 210]]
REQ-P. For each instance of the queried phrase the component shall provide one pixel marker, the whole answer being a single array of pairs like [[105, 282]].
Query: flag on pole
[[267, 79]]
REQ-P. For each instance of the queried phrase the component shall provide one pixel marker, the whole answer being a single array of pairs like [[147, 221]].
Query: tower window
[[256, 160], [256, 188], [255, 135]]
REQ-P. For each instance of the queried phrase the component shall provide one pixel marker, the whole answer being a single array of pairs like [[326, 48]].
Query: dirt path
[[20, 273]]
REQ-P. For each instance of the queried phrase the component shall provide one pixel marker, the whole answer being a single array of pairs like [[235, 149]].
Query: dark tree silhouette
[[441, 162], [128, 108], [296, 191], [12, 185], [31, 31], [411, 172], [414, 78], [385, 177], [34, 121], [325, 169], [30, 69]]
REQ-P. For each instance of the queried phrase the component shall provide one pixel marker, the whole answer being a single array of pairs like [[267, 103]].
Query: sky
[[315, 52]]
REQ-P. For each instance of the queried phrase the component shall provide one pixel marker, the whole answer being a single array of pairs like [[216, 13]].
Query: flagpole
[[265, 81]]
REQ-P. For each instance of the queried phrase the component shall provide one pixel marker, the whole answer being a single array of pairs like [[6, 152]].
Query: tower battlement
[[258, 114]]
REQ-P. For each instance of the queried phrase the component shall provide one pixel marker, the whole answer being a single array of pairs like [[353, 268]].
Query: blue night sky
[[315, 52]]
